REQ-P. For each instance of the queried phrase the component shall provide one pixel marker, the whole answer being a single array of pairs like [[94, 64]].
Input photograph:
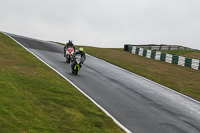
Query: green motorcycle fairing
[[77, 67]]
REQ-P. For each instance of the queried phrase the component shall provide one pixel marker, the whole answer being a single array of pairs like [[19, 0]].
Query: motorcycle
[[69, 53], [76, 64]]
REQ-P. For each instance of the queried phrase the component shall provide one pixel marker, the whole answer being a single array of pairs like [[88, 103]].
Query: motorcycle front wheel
[[76, 72]]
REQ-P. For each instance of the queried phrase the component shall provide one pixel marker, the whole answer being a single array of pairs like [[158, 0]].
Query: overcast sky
[[104, 23]]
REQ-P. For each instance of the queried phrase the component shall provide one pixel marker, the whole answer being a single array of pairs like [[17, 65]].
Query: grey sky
[[104, 23]]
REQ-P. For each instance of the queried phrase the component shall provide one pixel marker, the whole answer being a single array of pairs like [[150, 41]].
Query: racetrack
[[139, 104]]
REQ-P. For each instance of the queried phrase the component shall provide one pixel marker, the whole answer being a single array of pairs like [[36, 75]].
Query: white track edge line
[[150, 81], [106, 112]]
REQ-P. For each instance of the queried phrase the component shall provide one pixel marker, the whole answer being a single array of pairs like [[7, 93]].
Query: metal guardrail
[[169, 58], [161, 47]]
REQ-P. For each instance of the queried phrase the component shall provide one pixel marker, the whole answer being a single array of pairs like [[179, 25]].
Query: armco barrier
[[170, 58], [158, 47]]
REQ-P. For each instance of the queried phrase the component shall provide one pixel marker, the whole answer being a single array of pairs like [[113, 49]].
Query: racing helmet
[[80, 49]]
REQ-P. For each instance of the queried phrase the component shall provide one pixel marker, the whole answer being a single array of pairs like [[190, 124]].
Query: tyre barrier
[[169, 58]]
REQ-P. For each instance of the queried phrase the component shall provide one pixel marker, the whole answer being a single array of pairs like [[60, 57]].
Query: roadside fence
[[169, 58], [161, 47]]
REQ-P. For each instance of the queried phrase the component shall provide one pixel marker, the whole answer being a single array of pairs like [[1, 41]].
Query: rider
[[69, 44], [82, 53]]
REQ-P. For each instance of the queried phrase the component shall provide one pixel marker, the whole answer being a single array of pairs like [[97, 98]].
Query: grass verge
[[182, 79], [33, 98]]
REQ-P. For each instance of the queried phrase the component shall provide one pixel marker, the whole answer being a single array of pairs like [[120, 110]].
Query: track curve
[[138, 103]]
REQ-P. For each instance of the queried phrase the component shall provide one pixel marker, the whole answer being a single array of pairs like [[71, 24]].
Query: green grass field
[[182, 79], [33, 98]]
